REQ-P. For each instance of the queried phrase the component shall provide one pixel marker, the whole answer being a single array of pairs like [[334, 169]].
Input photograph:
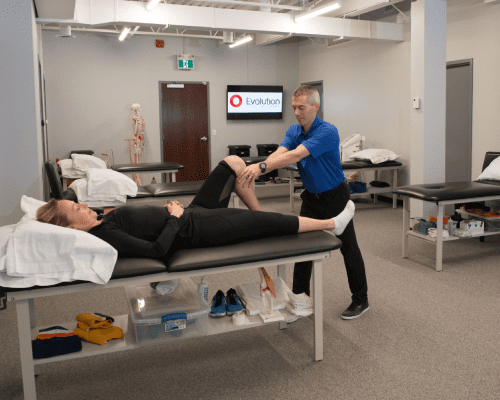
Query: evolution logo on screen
[[255, 102]]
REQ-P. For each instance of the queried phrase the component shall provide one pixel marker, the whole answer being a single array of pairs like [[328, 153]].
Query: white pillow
[[35, 253], [376, 156], [84, 162], [30, 207], [492, 172]]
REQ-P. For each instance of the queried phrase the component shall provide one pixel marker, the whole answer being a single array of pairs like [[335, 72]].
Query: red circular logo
[[238, 99]]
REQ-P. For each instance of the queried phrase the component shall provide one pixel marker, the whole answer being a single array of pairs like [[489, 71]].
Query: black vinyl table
[[443, 194]]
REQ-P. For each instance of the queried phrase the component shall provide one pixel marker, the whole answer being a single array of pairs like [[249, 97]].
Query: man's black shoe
[[355, 310]]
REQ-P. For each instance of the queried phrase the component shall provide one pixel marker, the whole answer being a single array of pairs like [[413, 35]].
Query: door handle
[[204, 138]]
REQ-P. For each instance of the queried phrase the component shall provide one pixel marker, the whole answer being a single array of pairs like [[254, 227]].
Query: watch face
[[263, 166]]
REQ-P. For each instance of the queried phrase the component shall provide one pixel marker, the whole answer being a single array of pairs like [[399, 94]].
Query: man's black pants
[[327, 205]]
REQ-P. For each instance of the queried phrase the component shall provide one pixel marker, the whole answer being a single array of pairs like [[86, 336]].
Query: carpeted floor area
[[427, 335]]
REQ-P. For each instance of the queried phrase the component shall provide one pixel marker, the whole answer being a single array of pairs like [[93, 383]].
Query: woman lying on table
[[151, 231]]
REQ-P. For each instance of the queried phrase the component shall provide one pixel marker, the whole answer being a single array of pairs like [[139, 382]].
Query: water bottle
[[203, 289]]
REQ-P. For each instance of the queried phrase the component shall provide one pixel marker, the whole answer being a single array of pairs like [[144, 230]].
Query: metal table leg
[[24, 309], [318, 309], [439, 241], [394, 185], [406, 224]]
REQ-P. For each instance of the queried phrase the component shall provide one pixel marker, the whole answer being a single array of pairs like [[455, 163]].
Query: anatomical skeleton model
[[136, 144]]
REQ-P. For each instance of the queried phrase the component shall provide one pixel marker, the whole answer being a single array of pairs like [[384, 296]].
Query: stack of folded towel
[[97, 186], [432, 232], [299, 304]]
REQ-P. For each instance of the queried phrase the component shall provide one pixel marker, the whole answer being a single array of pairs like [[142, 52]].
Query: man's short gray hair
[[311, 93]]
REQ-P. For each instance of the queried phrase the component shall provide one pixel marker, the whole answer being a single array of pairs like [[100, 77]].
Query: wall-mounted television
[[246, 102]]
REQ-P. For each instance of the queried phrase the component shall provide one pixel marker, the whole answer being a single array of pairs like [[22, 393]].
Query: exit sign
[[185, 64], [185, 61]]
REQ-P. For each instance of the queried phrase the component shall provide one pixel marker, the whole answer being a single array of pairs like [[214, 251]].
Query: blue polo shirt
[[321, 170]]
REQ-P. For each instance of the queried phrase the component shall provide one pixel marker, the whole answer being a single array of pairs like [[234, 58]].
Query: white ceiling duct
[[89, 14], [65, 31]]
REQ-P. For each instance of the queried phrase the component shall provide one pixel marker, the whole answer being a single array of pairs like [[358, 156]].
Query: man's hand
[[175, 208], [247, 177]]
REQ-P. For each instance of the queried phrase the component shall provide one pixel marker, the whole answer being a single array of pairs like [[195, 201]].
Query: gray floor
[[427, 335]]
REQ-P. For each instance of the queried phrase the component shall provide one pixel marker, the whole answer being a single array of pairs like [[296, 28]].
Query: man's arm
[[279, 159]]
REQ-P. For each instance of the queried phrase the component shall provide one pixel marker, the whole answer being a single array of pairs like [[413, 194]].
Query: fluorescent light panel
[[246, 39], [152, 4], [124, 33], [315, 11]]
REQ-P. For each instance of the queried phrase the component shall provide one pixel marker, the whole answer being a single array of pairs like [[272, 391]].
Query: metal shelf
[[215, 326]]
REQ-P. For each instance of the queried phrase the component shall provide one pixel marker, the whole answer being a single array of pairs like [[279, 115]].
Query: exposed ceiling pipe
[[255, 4], [117, 32]]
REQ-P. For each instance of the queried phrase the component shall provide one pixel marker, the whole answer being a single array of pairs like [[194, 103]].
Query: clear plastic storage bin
[[154, 318]]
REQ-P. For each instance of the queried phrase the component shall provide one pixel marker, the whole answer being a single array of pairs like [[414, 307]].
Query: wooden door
[[185, 129]]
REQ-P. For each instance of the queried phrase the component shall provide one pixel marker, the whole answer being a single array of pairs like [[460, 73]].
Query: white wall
[[91, 81], [366, 88], [367, 83], [474, 32], [20, 132]]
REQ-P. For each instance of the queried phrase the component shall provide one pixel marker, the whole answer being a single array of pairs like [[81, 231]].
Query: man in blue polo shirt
[[314, 145]]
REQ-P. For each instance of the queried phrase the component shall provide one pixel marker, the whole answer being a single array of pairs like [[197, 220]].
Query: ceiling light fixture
[[124, 33], [246, 39], [152, 4], [315, 11]]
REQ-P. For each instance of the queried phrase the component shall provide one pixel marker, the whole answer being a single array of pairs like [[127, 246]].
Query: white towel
[[106, 182], [80, 187], [67, 170], [83, 162]]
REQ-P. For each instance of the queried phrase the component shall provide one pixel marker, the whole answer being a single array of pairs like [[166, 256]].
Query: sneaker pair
[[229, 304]]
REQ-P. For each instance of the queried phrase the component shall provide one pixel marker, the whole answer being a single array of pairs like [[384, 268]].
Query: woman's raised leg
[[247, 195]]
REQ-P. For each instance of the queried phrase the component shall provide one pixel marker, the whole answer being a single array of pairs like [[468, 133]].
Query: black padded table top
[[146, 167], [253, 160], [488, 181], [195, 259], [357, 164], [253, 251], [174, 188], [437, 192]]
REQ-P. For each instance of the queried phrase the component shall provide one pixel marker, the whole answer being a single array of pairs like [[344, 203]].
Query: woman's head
[[68, 214]]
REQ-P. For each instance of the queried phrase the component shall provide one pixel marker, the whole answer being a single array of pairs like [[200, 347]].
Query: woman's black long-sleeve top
[[145, 231]]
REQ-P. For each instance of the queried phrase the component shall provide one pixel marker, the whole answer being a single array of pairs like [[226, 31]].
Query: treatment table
[[356, 166], [310, 246], [166, 167], [443, 194]]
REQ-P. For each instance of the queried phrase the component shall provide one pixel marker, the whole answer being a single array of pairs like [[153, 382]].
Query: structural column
[[428, 91], [21, 160]]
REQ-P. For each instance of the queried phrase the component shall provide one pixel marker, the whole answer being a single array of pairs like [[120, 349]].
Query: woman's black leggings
[[215, 224]]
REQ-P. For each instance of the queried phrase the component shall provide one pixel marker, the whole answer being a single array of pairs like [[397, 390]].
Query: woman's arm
[[131, 246]]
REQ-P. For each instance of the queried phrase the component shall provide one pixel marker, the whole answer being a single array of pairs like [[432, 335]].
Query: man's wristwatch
[[263, 167]]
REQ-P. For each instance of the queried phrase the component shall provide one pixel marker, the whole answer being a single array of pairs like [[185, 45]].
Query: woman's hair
[[311, 93], [50, 214]]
